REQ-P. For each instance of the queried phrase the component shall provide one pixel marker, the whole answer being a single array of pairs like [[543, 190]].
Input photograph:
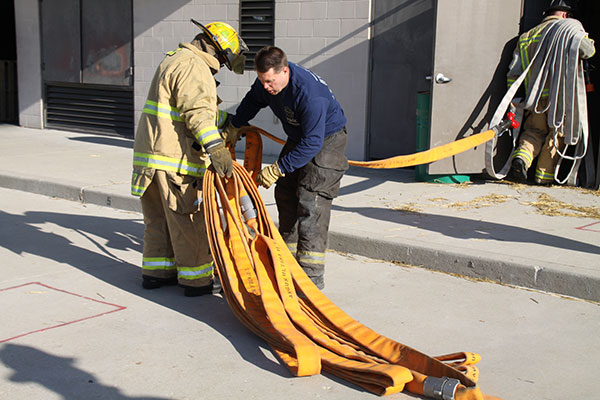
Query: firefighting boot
[[150, 282], [518, 171]]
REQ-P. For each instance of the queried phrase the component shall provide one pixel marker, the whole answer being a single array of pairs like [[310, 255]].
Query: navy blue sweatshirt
[[307, 109]]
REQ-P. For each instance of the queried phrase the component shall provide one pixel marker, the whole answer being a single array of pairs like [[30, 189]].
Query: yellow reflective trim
[[162, 110], [311, 257], [158, 263], [201, 271], [168, 164], [220, 118], [524, 154], [544, 175], [208, 135], [137, 190]]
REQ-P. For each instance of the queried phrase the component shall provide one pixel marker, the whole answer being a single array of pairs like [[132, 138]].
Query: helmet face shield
[[226, 40]]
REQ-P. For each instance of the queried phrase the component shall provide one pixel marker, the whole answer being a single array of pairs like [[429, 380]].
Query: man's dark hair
[[270, 57]]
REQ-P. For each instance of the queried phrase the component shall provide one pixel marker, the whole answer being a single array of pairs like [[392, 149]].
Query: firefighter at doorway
[[176, 140], [310, 166], [537, 138]]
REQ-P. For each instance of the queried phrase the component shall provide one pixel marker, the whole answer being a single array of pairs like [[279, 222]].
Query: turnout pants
[[304, 198], [537, 139], [175, 237]]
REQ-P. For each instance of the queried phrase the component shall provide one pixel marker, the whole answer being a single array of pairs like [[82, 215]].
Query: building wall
[[29, 73], [330, 37]]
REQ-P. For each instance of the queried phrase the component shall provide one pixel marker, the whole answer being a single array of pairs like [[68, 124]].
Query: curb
[[546, 278]]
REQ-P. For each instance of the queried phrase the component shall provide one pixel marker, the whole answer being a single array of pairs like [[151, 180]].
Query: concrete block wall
[[160, 26], [330, 37]]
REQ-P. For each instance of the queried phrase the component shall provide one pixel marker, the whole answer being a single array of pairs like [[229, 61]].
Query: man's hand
[[269, 175], [221, 161], [231, 134]]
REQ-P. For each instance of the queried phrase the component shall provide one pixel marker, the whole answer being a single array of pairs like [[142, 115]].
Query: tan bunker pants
[[538, 139], [175, 238]]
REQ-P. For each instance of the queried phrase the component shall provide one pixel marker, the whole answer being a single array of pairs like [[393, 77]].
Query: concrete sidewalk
[[546, 238]]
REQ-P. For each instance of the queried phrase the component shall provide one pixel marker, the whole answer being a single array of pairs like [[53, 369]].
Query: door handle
[[440, 78]]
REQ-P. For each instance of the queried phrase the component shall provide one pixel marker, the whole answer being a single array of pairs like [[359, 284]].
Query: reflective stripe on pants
[[180, 236]]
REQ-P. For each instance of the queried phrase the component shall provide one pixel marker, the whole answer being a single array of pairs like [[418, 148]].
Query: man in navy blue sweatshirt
[[310, 166]]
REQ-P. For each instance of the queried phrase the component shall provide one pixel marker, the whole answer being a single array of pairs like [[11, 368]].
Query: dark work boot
[[196, 291], [150, 282], [518, 171]]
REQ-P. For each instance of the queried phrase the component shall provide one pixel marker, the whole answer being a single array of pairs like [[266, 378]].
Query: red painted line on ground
[[117, 308], [583, 228]]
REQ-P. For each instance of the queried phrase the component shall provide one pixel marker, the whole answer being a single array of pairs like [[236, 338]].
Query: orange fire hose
[[253, 133], [271, 295]]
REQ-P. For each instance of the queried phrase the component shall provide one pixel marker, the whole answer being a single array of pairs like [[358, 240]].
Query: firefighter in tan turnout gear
[[177, 138], [543, 134]]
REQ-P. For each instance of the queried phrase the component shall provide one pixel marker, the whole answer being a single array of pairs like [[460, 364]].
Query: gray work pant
[[304, 198]]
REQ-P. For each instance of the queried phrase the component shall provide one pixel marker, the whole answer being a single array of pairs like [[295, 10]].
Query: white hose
[[556, 66]]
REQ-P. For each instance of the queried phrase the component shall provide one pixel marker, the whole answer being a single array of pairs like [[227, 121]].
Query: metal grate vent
[[90, 109], [257, 26]]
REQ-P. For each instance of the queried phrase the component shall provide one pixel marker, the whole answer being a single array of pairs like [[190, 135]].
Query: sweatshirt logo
[[290, 117]]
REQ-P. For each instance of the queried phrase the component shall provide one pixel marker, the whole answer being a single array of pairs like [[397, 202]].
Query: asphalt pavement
[[544, 238]]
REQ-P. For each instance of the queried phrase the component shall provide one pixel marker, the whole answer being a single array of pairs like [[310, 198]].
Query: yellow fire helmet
[[228, 43]]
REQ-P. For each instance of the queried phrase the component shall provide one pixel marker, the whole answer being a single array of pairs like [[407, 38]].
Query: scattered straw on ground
[[408, 208], [584, 190], [546, 205], [482, 201], [462, 185]]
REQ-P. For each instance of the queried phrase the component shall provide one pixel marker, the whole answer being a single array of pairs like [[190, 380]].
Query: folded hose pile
[[271, 295]]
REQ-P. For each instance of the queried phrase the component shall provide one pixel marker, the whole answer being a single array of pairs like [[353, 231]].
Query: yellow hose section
[[269, 293], [409, 160]]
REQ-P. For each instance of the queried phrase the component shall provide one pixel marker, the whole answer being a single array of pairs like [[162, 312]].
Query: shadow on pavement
[[57, 374], [22, 234], [105, 140], [462, 228]]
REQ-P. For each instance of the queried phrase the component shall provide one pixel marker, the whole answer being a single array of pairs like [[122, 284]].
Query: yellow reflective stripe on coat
[[208, 136], [137, 190], [220, 118], [162, 110], [158, 263], [201, 271], [168, 164]]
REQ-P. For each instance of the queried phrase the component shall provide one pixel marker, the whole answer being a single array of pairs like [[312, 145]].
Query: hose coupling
[[440, 388], [248, 209]]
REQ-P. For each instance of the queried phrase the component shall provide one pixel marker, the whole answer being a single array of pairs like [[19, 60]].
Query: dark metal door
[[473, 43], [61, 40], [401, 51], [87, 41], [87, 50], [106, 42]]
